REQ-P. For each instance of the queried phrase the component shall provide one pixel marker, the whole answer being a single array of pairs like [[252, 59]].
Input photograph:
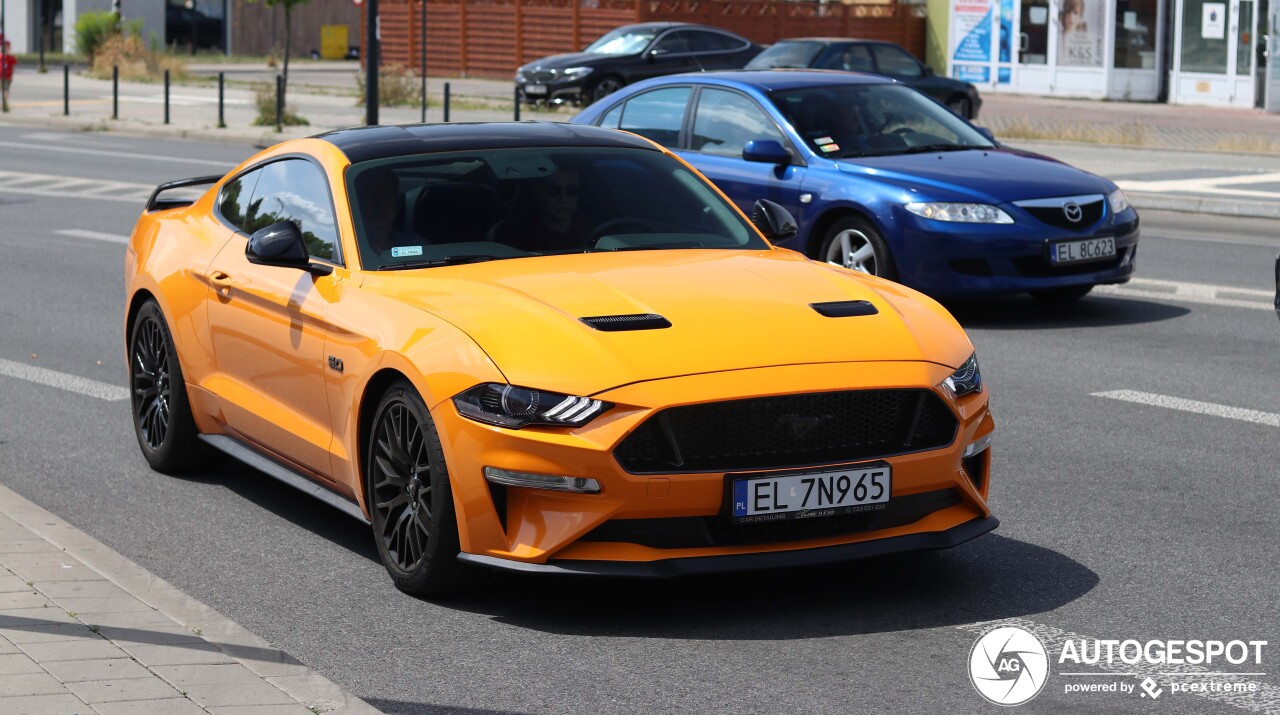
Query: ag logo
[[1008, 666]]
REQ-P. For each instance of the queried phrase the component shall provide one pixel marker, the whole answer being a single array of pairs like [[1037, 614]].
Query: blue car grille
[[1090, 214]]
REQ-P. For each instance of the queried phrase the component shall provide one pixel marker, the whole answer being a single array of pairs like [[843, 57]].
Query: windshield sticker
[[830, 147], [403, 251], [824, 140]]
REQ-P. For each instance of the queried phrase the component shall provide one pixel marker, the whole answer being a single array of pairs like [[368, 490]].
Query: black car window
[[686, 41], [897, 62], [236, 194], [657, 115], [849, 58], [725, 121], [786, 54], [295, 190]]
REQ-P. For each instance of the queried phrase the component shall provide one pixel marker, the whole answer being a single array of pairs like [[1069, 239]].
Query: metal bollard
[[446, 102], [279, 103], [222, 123], [115, 92], [66, 90], [166, 96], [516, 112]]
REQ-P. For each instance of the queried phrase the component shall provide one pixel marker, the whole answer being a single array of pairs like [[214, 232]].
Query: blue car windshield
[[622, 41], [855, 120]]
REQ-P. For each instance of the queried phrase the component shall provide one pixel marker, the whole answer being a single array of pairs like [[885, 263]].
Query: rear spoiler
[[155, 203]]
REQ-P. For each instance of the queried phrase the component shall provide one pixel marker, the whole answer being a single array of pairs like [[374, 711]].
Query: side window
[[896, 62], [612, 118], [295, 190], [234, 204], [850, 58], [708, 42], [725, 121], [674, 43], [657, 115]]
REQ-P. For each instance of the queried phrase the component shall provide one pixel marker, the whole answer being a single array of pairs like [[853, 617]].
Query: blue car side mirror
[[766, 151], [987, 133]]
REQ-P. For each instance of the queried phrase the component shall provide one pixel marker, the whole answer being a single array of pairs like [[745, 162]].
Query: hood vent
[[845, 308], [620, 323]]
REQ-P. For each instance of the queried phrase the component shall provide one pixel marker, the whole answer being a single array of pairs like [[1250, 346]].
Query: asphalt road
[[1119, 519]]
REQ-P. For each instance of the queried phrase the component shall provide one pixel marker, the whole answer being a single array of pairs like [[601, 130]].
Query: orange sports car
[[547, 348]]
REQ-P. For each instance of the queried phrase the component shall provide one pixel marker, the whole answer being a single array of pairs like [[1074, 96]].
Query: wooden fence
[[490, 38]]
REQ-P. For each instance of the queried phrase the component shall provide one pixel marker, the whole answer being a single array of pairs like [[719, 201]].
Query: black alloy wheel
[[605, 87], [162, 418], [410, 501]]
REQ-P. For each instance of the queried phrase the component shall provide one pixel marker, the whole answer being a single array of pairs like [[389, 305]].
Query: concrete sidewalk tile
[[30, 684], [11, 617], [61, 704], [259, 693], [151, 635], [93, 606], [295, 709], [83, 649], [167, 706], [7, 646], [57, 572], [23, 599], [220, 674], [59, 559], [192, 654], [32, 631], [27, 546], [10, 583], [97, 588], [78, 671], [141, 620], [17, 664], [111, 691]]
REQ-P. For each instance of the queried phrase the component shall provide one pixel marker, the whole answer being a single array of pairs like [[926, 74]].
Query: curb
[[1197, 205], [267, 662]]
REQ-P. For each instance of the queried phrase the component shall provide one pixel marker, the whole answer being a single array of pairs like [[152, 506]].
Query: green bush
[[265, 99], [92, 28]]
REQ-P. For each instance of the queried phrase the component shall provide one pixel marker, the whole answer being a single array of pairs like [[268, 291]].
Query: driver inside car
[[550, 218]]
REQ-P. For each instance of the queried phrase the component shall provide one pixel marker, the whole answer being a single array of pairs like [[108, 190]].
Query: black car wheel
[[410, 500], [605, 87], [854, 243], [162, 418], [1061, 295], [961, 106]]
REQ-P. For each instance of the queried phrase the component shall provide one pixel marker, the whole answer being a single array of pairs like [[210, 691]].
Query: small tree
[[288, 6]]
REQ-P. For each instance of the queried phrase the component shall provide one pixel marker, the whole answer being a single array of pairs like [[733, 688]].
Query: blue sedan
[[885, 180]]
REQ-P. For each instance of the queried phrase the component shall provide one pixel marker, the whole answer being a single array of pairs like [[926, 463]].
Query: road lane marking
[[181, 100], [1226, 296], [63, 187], [133, 156], [1266, 699], [63, 381], [1270, 419], [1218, 185], [94, 235]]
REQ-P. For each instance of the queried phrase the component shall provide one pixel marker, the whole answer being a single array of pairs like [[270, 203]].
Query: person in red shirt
[[7, 63]]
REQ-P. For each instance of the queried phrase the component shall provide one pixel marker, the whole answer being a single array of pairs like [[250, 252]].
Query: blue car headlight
[[1117, 201], [515, 407], [960, 213], [964, 381]]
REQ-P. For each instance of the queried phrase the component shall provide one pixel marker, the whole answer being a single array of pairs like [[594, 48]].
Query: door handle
[[221, 282]]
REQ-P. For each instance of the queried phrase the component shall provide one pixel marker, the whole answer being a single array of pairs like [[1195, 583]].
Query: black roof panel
[[384, 141]]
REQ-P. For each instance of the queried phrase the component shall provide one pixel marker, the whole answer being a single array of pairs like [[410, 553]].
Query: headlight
[[514, 407], [960, 213], [576, 72], [1117, 201], [964, 381]]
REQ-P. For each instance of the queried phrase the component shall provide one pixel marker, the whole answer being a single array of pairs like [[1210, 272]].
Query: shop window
[[1033, 48], [1136, 34], [1080, 33], [1204, 36]]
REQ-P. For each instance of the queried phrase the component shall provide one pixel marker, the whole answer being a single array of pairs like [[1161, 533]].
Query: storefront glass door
[[1216, 52]]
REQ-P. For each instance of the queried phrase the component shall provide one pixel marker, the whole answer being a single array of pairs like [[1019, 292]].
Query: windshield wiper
[[926, 148], [445, 261]]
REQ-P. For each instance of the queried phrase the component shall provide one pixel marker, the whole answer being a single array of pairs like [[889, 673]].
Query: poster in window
[[1080, 26], [971, 31], [1213, 23]]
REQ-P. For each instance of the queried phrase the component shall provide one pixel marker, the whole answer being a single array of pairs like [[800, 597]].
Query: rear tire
[[410, 500], [852, 242], [605, 87], [162, 419], [1061, 295]]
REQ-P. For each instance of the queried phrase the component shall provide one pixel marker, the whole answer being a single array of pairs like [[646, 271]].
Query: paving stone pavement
[[84, 631]]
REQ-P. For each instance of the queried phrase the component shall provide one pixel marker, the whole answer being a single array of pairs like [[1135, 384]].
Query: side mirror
[[281, 244], [766, 151], [776, 223], [987, 133], [928, 71]]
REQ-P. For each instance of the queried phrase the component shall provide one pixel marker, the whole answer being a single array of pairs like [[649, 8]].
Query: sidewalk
[[84, 630]]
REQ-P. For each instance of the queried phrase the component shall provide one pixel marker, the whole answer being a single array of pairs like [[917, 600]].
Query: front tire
[[605, 87], [410, 500], [162, 418], [854, 243]]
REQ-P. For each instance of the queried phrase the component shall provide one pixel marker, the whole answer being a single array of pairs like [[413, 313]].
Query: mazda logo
[[798, 426], [1073, 212]]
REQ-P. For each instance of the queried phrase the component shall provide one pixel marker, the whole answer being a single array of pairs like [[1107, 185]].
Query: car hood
[[567, 60], [729, 310], [988, 175]]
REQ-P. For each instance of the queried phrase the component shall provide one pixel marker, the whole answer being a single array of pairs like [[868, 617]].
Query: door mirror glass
[[280, 244], [766, 151], [775, 222]]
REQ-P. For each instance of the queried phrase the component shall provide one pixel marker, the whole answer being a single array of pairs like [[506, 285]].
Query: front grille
[[1039, 266], [1091, 213], [788, 431], [706, 531], [539, 76]]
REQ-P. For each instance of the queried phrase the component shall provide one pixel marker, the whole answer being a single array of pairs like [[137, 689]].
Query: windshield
[[622, 41], [853, 120], [465, 207], [786, 54]]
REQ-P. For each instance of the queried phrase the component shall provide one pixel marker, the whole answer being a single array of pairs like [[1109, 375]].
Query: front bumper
[[531, 529], [556, 90]]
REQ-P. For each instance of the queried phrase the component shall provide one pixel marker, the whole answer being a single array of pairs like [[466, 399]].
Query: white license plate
[[1090, 249], [538, 89], [801, 496]]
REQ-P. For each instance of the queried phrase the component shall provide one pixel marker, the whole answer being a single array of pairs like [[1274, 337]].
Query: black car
[[629, 54], [885, 58], [181, 23]]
